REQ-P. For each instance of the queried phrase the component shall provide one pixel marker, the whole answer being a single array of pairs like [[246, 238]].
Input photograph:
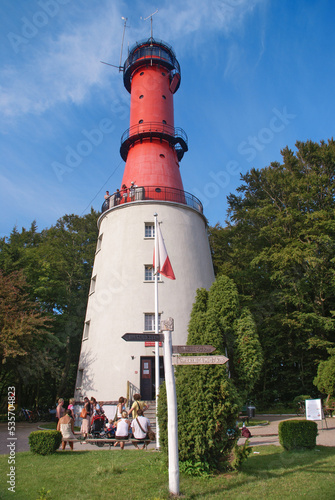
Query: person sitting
[[140, 427], [122, 429], [245, 431], [110, 428], [66, 426]]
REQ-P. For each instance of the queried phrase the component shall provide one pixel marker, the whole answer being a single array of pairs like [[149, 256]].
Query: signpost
[[199, 360], [143, 337], [169, 360], [192, 349]]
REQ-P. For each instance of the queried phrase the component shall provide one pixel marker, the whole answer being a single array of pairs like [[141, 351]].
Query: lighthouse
[[121, 297]]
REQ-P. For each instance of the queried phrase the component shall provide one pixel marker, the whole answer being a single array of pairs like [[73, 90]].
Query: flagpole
[[156, 331]]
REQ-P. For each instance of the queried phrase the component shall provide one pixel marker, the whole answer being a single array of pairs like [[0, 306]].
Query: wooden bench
[[329, 410], [101, 441]]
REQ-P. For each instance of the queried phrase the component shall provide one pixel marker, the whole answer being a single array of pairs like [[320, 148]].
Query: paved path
[[261, 435], [268, 434]]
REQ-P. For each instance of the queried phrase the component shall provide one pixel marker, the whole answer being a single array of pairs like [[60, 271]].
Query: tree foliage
[[278, 247], [54, 267], [208, 400], [325, 379]]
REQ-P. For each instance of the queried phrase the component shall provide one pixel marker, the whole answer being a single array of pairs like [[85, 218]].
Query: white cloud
[[65, 67], [61, 69]]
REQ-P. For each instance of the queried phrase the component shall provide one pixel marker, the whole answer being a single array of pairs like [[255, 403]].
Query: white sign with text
[[313, 409]]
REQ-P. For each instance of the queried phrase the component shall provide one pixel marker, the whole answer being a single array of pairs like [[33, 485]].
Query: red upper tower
[[152, 147]]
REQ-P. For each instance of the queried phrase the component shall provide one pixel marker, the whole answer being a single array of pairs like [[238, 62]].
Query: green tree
[[278, 247], [57, 264], [325, 379], [208, 401], [24, 335]]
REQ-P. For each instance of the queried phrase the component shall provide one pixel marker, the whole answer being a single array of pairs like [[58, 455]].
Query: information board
[[313, 409]]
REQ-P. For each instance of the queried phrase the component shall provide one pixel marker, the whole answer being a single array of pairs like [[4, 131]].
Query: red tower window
[[141, 96]]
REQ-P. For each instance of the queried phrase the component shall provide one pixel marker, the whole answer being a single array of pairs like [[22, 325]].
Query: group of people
[[65, 422], [128, 194], [139, 426], [121, 424]]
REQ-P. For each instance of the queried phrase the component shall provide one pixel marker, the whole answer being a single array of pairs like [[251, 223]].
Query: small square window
[[149, 322], [149, 273], [149, 230]]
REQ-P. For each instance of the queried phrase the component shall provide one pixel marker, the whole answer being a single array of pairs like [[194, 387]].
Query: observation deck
[[149, 52], [152, 193], [175, 136]]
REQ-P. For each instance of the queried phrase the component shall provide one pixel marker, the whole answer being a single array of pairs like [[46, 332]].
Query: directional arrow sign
[[143, 337], [191, 349], [199, 360]]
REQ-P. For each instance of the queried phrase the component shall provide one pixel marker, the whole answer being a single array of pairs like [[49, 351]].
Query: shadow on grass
[[272, 464]]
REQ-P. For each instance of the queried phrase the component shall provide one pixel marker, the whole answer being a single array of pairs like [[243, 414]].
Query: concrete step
[[150, 413]]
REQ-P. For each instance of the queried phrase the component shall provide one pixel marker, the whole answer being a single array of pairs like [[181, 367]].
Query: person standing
[[86, 422], [71, 407], [121, 406], [60, 411], [137, 405], [66, 426]]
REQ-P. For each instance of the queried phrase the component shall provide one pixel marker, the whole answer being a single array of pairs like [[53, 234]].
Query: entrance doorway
[[147, 384]]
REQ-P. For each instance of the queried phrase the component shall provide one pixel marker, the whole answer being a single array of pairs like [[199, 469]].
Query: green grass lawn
[[269, 473]]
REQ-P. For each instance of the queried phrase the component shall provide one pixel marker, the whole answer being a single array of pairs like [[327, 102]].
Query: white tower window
[[86, 330], [149, 273], [80, 379], [93, 283], [149, 230], [149, 322], [99, 242]]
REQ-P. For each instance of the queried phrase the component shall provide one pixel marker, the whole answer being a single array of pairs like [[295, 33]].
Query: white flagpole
[[156, 331], [171, 395]]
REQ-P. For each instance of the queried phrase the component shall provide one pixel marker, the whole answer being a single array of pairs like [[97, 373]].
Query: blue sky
[[257, 75]]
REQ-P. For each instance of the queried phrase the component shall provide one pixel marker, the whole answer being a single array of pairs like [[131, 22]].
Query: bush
[[204, 418], [300, 399], [45, 442], [297, 434]]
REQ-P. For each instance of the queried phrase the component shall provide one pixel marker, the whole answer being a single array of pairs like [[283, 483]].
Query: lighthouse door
[[148, 392]]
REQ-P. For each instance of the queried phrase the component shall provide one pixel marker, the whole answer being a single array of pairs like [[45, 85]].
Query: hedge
[[297, 434], [45, 442]]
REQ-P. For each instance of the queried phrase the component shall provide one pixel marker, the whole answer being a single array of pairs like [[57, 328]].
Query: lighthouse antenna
[[120, 68], [124, 29], [150, 21]]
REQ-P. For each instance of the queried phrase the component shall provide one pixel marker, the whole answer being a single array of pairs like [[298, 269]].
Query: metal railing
[[151, 50], [152, 193], [154, 127]]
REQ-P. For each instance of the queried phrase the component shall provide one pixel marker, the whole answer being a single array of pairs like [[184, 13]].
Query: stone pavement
[[261, 435]]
